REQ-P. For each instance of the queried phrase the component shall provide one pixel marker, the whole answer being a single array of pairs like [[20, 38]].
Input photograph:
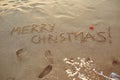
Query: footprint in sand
[[20, 53], [49, 67], [116, 61], [49, 56], [45, 71]]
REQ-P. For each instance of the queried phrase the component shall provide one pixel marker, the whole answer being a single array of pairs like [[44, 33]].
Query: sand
[[37, 35]]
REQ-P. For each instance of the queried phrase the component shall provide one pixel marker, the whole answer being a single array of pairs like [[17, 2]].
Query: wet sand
[[36, 37]]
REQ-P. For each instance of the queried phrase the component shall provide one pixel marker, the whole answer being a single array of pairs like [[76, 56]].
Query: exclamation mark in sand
[[109, 35]]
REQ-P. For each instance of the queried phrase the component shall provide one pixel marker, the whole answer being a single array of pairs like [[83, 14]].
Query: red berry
[[91, 27]]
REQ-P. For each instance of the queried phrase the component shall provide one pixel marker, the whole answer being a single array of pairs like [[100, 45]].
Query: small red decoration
[[91, 27]]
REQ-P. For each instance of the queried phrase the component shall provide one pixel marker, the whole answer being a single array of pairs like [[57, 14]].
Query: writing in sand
[[46, 33]]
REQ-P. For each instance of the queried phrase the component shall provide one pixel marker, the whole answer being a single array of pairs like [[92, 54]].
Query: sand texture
[[59, 39]]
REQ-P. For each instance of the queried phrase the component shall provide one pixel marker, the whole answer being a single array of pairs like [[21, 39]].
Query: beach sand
[[37, 35]]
